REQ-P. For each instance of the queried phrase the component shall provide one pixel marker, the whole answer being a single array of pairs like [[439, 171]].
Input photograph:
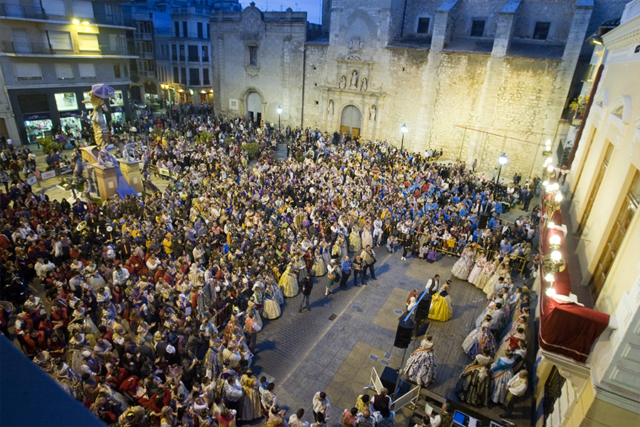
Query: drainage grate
[[333, 317]]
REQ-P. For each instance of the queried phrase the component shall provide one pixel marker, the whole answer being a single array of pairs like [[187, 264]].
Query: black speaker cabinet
[[388, 378], [404, 332], [482, 223]]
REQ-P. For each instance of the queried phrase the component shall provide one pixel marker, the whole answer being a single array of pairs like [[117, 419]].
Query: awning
[[566, 328]]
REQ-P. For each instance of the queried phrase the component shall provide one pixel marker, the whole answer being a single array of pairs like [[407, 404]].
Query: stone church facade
[[475, 78]]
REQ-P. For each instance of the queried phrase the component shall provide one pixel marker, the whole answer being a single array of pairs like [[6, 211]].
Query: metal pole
[[402, 145], [279, 123], [499, 170], [395, 390]]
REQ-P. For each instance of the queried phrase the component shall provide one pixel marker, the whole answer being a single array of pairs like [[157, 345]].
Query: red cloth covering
[[567, 329]]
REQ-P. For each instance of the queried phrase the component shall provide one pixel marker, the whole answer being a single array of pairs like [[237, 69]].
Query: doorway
[[350, 121], [254, 107]]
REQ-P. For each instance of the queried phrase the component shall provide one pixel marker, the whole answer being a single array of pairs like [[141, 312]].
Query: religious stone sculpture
[[363, 85], [372, 113], [343, 82], [330, 108], [354, 79]]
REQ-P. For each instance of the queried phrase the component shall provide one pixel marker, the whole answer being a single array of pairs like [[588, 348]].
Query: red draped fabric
[[567, 329]]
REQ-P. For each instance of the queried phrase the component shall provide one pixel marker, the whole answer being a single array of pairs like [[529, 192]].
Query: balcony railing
[[146, 55], [46, 49], [143, 36], [192, 35], [20, 11]]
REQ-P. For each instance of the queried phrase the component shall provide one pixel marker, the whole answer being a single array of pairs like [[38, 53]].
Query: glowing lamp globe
[[556, 256]]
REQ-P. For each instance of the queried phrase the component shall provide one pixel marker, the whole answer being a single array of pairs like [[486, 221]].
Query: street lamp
[[404, 130], [279, 110], [503, 161]]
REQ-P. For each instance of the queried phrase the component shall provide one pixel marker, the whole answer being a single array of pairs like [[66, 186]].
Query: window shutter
[[87, 71], [88, 41], [54, 7], [64, 71], [60, 40], [82, 9], [28, 71], [113, 42]]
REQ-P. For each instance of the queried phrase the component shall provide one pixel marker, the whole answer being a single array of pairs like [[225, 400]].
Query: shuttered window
[[54, 7], [60, 40], [82, 9], [87, 71], [28, 71], [88, 42], [64, 71]]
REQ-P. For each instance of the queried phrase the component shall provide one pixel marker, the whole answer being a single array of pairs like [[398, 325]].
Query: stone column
[[494, 77], [131, 172], [442, 28]]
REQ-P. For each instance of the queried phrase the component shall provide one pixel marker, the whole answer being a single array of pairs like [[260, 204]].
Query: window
[[193, 53], [205, 53], [34, 103], [116, 70], [126, 71], [205, 77], [60, 40], [108, 12], [113, 42], [586, 156], [477, 28], [82, 9], [596, 186], [28, 71], [423, 26], [66, 101], [87, 71], [253, 55], [183, 76], [88, 42], [208, 31], [616, 236], [200, 31], [64, 71], [176, 26], [542, 30], [185, 31], [54, 7], [194, 76], [181, 52], [176, 76], [174, 52], [21, 43]]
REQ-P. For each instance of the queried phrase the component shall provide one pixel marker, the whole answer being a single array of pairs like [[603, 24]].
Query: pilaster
[[442, 30], [131, 172]]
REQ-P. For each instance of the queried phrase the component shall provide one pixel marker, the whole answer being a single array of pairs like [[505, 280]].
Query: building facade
[[474, 78], [52, 54], [604, 182]]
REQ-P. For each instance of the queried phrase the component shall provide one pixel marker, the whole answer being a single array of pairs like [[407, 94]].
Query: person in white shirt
[[321, 405], [120, 275], [43, 267], [517, 387], [296, 420]]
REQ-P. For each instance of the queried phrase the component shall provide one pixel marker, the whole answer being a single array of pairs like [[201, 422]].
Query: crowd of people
[[152, 306]]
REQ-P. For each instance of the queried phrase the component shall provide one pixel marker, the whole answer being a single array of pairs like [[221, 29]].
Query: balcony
[[146, 55], [147, 74], [192, 35], [20, 11], [30, 48], [143, 36]]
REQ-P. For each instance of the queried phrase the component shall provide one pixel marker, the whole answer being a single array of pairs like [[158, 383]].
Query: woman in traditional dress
[[502, 372], [289, 282], [251, 408], [480, 263], [251, 308], [276, 293], [511, 341], [319, 267], [441, 305], [276, 417], [421, 366], [367, 237], [271, 307], [504, 271], [475, 382], [355, 242], [479, 339], [301, 267], [486, 274], [463, 266]]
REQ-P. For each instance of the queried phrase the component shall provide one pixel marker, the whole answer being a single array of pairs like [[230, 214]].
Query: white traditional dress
[[475, 273], [421, 366], [463, 266]]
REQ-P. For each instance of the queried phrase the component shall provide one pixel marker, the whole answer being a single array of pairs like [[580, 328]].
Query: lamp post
[[503, 161], [279, 112], [404, 130]]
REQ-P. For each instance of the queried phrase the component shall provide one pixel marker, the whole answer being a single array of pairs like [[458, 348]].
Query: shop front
[[37, 125]]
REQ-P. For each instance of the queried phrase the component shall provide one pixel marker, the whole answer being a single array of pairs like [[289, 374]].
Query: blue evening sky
[[312, 7]]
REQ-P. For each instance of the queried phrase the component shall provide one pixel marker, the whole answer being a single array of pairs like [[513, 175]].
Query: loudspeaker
[[422, 315], [403, 334], [388, 378], [482, 222]]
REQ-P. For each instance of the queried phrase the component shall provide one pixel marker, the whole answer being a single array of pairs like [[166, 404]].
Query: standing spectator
[[346, 272], [321, 405], [307, 287], [516, 387]]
